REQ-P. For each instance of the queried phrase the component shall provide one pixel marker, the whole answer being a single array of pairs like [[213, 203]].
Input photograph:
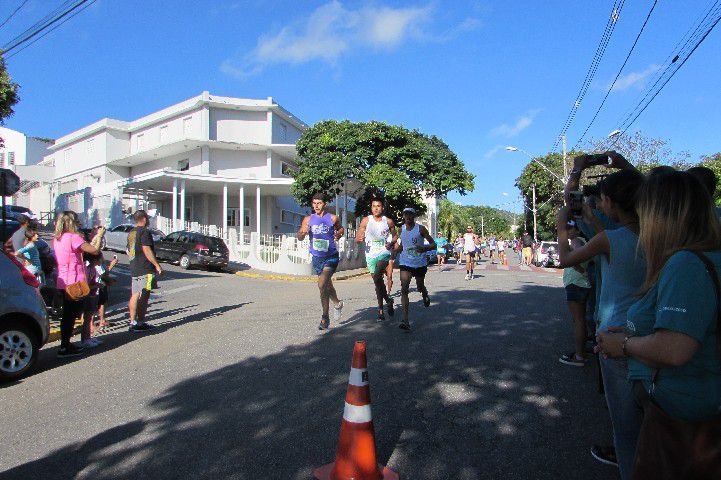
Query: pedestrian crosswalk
[[487, 266]]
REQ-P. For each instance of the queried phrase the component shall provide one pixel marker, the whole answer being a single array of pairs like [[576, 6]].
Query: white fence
[[272, 253]]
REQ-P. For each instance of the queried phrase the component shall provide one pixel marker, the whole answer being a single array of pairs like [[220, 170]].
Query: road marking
[[119, 306]]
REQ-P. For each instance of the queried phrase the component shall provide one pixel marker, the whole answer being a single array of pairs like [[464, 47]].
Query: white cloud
[[635, 79], [333, 30], [492, 152], [509, 131]]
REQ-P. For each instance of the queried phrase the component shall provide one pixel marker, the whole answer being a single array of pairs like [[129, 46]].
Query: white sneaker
[[88, 343], [338, 311]]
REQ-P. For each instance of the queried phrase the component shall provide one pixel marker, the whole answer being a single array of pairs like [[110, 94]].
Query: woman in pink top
[[69, 246]]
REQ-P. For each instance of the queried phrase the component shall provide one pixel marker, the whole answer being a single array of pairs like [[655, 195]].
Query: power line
[[610, 89], [38, 30], [590, 74], [13, 14], [77, 12], [39, 23]]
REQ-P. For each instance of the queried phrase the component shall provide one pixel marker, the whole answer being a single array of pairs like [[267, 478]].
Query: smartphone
[[599, 159]]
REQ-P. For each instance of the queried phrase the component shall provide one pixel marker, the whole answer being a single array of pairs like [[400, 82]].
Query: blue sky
[[479, 74]]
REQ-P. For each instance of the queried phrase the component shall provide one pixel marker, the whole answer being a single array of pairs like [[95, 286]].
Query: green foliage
[[8, 93], [714, 163], [454, 218], [643, 152], [388, 160]]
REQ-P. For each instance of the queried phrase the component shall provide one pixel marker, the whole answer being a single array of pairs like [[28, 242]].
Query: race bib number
[[378, 245], [413, 252], [321, 244]]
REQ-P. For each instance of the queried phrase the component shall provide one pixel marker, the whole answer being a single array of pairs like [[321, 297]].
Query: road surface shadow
[[475, 391]]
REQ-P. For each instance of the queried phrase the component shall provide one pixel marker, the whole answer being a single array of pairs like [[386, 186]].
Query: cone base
[[323, 473]]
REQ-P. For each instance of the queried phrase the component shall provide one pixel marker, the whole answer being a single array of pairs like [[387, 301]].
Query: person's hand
[[610, 343], [579, 162], [617, 160], [113, 262], [159, 270]]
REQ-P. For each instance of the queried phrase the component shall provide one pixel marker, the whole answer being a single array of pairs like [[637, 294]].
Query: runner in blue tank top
[[324, 229]]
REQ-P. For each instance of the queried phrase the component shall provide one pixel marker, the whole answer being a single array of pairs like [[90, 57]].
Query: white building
[[22, 154], [214, 164]]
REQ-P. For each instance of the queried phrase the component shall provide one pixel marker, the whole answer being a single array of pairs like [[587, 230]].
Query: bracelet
[[623, 346]]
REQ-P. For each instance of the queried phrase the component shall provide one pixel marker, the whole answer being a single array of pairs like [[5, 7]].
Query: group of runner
[[383, 245]]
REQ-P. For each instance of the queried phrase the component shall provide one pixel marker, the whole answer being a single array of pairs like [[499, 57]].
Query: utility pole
[[565, 167], [535, 232], [482, 228]]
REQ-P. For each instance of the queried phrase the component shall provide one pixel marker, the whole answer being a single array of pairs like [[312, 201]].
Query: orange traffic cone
[[355, 458]]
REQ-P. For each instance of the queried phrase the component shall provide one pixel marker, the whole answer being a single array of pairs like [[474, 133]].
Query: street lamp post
[[554, 174]]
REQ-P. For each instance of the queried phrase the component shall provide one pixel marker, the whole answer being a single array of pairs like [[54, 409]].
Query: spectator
[[527, 243], [17, 239], [104, 282], [623, 271], [69, 246], [672, 333], [578, 287], [144, 269], [31, 255], [90, 304]]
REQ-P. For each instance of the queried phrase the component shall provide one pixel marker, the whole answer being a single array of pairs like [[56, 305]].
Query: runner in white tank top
[[469, 249], [378, 232], [413, 261]]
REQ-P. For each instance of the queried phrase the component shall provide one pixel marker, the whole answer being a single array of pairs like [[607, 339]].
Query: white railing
[[274, 253]]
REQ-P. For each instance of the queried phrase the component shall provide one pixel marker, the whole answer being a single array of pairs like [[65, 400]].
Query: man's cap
[[410, 210]]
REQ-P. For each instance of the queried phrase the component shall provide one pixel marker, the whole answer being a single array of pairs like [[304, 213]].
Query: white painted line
[[525, 268]]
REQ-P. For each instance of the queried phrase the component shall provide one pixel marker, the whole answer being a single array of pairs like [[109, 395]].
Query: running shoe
[[404, 325], [570, 359], [389, 306], [381, 318], [324, 323], [69, 351], [426, 300], [338, 311], [140, 327], [604, 454]]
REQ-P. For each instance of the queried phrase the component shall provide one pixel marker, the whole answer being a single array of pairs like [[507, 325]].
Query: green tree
[[490, 220], [643, 152], [389, 160], [714, 163], [452, 218], [8, 94], [549, 191]]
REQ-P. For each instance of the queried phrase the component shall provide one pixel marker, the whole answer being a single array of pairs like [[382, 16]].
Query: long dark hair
[[622, 188]]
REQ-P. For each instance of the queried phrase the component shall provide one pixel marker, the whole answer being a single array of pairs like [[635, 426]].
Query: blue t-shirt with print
[[683, 300]]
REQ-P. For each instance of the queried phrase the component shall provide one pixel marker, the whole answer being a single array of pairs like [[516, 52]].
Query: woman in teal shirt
[[673, 328]]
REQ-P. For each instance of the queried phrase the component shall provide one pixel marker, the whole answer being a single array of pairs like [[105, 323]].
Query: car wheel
[[184, 262], [18, 350]]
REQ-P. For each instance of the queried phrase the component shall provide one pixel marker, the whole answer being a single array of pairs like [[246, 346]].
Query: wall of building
[[239, 126], [81, 155], [35, 151], [171, 162], [179, 127], [236, 163], [117, 144], [13, 142], [284, 132]]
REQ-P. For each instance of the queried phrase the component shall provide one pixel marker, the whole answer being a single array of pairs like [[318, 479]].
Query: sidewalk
[[254, 273]]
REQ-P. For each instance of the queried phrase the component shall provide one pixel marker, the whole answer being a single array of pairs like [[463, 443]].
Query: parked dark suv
[[193, 249]]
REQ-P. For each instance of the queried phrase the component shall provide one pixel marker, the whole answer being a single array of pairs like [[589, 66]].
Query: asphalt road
[[236, 382]]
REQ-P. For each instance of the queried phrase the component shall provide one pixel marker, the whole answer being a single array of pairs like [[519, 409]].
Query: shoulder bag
[[670, 448]]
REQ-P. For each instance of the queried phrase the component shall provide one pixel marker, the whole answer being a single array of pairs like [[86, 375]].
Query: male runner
[[469, 250], [374, 230], [324, 229], [412, 261]]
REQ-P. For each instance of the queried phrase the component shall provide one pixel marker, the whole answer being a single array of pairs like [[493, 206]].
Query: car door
[[164, 247]]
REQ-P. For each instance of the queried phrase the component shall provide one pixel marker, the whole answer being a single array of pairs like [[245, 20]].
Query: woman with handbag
[[69, 246], [672, 333]]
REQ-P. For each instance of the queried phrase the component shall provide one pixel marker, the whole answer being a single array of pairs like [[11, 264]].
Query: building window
[[287, 217], [247, 217], [67, 154], [90, 145], [163, 133], [286, 169], [187, 126], [140, 139], [233, 217], [284, 132], [184, 165]]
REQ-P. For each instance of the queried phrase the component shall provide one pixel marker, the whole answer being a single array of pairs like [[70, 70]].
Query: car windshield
[[214, 243]]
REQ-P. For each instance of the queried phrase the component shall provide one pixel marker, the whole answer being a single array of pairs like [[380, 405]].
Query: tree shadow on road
[[474, 391]]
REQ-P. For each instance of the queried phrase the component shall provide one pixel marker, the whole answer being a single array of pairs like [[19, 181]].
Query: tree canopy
[[388, 160], [8, 94], [453, 219]]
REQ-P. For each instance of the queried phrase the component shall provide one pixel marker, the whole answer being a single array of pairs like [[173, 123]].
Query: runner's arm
[[303, 230], [394, 233], [360, 236], [431, 243], [150, 255], [339, 230]]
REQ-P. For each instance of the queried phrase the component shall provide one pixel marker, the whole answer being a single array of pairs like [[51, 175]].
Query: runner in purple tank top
[[324, 229]]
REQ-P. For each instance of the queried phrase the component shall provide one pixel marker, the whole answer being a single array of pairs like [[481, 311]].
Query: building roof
[[204, 98]]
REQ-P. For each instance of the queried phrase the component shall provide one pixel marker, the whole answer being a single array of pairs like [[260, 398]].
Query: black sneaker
[[604, 454], [389, 306], [140, 327], [324, 323], [69, 351], [426, 301], [404, 325]]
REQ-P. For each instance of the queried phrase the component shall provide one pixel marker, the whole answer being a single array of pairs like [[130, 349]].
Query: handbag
[[671, 448], [78, 290]]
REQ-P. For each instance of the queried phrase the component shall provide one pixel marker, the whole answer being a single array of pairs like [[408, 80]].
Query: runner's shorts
[[320, 263], [416, 272], [144, 283], [373, 263], [574, 293], [469, 252]]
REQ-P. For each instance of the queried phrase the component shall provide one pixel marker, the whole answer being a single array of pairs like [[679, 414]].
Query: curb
[[291, 278]]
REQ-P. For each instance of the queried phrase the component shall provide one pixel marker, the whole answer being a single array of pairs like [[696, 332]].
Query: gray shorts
[[143, 283]]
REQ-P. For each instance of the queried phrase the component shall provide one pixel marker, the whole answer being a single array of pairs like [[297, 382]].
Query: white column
[[344, 221], [225, 210], [182, 205], [137, 199], [174, 221], [257, 210], [241, 206], [337, 204]]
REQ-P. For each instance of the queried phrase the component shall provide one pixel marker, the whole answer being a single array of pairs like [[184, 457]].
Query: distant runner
[[469, 250], [374, 230], [324, 229], [441, 243], [412, 261]]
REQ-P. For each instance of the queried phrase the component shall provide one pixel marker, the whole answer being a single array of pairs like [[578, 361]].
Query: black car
[[193, 249]]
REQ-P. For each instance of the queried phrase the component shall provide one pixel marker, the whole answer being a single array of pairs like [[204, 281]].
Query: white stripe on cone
[[358, 377], [357, 414]]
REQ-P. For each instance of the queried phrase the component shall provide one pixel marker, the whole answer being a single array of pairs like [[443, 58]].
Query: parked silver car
[[24, 324], [117, 237]]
